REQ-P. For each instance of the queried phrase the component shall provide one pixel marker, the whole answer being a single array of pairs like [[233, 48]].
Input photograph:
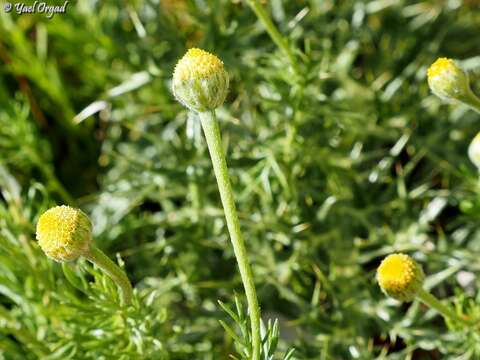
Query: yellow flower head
[[474, 151], [64, 233], [448, 80], [198, 64], [400, 277], [200, 81]]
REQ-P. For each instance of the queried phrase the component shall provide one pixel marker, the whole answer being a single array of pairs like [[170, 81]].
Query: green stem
[[277, 38], [97, 257], [446, 311], [472, 101], [214, 142]]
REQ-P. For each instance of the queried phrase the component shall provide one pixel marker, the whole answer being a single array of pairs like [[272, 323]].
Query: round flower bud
[[448, 80], [474, 151], [200, 81], [64, 233], [400, 277]]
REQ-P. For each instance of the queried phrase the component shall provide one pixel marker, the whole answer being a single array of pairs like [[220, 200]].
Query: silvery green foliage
[[241, 335], [332, 171], [72, 310]]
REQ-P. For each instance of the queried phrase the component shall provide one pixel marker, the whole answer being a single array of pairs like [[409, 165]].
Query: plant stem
[[472, 101], [277, 38], [446, 311], [97, 257], [214, 142]]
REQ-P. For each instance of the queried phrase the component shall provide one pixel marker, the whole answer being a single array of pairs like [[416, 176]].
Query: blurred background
[[333, 167]]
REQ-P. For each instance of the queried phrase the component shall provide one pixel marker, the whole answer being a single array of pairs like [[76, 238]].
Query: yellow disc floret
[[448, 80], [200, 81], [198, 64], [400, 277], [64, 233], [439, 66]]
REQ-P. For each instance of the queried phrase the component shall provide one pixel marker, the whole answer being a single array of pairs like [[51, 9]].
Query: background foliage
[[333, 168]]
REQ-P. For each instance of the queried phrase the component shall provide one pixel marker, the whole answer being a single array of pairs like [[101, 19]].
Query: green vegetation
[[338, 154]]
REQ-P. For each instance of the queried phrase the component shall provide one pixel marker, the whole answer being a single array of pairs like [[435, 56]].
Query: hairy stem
[[214, 142], [444, 310], [97, 257], [277, 38]]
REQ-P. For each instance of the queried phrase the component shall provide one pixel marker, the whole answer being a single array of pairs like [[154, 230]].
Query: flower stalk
[[200, 83], [430, 300], [277, 38], [214, 143], [98, 257], [472, 101]]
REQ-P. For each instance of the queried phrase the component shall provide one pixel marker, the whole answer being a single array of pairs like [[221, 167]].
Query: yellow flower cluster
[[400, 277], [197, 64], [64, 233], [440, 66]]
